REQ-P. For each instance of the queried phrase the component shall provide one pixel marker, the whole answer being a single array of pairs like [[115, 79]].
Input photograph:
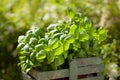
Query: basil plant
[[63, 41]]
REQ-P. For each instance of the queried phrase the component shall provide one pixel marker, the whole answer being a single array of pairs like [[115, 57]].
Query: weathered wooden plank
[[77, 67], [65, 72], [25, 76], [93, 78], [90, 69], [73, 70], [88, 61], [50, 74], [33, 73]]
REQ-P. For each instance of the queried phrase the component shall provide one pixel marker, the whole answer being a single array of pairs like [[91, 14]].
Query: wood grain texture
[[77, 67], [25, 76], [73, 70], [93, 78], [50, 74], [88, 61], [90, 69]]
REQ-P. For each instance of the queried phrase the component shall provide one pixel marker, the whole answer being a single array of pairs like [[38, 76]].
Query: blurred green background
[[17, 16]]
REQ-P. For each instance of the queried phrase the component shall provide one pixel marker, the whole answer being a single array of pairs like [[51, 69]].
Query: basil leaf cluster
[[65, 40]]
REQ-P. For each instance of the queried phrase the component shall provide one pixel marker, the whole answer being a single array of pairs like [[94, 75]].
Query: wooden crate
[[79, 69]]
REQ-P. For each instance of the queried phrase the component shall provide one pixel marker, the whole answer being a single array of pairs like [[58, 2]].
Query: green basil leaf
[[53, 31], [28, 36], [26, 48], [41, 55], [22, 57], [47, 48], [59, 50], [82, 53], [51, 56], [32, 55], [102, 34], [65, 54], [76, 45], [69, 39], [86, 45], [25, 67], [42, 41], [62, 37], [70, 56], [61, 22], [20, 46], [39, 47], [51, 27], [57, 35], [33, 41], [38, 32], [83, 36], [88, 23], [29, 32], [21, 38], [66, 45], [59, 60], [70, 13], [54, 43], [95, 43], [23, 52], [72, 29]]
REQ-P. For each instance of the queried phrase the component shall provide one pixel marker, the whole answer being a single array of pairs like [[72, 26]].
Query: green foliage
[[17, 16], [110, 52], [64, 40], [110, 55]]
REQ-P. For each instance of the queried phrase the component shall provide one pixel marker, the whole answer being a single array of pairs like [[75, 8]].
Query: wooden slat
[[33, 73], [90, 69], [73, 70], [88, 61], [65, 72], [50, 74], [93, 78], [77, 67], [25, 76]]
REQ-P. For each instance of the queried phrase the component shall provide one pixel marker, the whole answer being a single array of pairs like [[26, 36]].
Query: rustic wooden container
[[79, 69]]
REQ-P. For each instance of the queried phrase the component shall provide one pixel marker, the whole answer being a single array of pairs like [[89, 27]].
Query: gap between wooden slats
[[93, 78]]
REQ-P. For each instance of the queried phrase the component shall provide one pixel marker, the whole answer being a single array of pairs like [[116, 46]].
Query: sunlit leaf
[[66, 45], [69, 39], [65, 54], [62, 37], [41, 55], [21, 38], [88, 22], [59, 50], [70, 13], [54, 43], [59, 60], [51, 56], [72, 29], [39, 47]]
